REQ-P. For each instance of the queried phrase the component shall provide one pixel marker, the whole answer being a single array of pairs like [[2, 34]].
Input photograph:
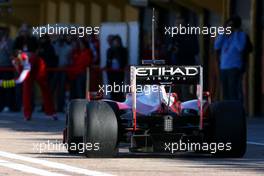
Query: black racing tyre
[[229, 126], [75, 124], [101, 130], [121, 129]]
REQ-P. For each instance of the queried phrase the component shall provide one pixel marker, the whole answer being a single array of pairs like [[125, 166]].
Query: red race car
[[155, 120]]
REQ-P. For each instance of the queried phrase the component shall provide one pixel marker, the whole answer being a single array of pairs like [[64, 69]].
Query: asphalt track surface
[[20, 154]]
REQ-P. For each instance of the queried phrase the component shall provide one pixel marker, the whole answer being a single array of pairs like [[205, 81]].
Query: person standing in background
[[24, 42], [31, 68], [47, 52], [63, 49], [231, 49], [82, 58], [7, 96], [117, 59]]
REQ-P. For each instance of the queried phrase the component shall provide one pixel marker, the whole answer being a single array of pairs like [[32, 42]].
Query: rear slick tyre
[[229, 126], [101, 130], [75, 124]]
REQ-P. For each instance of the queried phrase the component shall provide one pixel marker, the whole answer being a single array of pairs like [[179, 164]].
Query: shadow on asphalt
[[39, 123]]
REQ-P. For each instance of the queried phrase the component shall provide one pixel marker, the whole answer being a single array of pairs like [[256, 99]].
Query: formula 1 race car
[[155, 120]]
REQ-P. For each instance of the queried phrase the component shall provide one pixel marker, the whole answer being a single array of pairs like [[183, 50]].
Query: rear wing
[[166, 75]]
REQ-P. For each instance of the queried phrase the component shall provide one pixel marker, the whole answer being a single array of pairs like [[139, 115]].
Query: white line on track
[[255, 143], [27, 169], [53, 165]]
